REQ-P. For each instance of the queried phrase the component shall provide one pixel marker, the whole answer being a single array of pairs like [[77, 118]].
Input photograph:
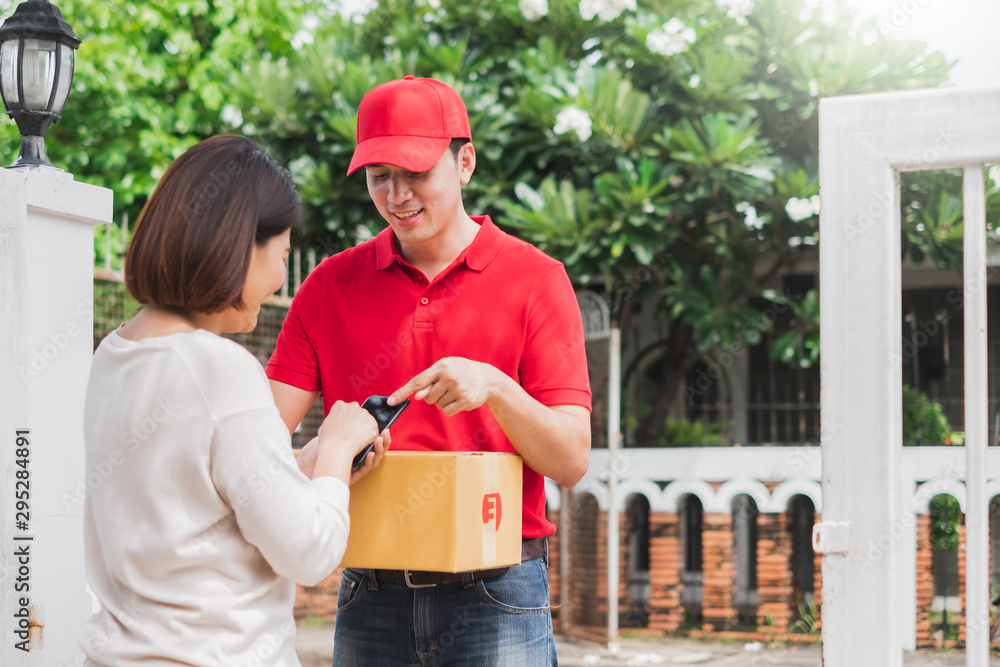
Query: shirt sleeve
[[553, 367], [299, 525], [295, 361]]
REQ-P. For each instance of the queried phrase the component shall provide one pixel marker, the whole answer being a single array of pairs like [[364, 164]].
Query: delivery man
[[482, 331]]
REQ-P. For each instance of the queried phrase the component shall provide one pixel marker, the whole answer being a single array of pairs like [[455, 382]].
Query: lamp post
[[36, 72]]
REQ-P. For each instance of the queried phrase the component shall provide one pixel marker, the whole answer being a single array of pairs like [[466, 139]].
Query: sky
[[966, 30]]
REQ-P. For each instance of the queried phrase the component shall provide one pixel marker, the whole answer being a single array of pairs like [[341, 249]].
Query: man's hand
[[553, 440], [453, 384]]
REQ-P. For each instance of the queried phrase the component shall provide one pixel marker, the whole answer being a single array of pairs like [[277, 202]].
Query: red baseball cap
[[408, 123]]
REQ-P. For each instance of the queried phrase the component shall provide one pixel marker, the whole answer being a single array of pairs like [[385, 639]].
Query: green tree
[[664, 150], [152, 79], [924, 421], [661, 148]]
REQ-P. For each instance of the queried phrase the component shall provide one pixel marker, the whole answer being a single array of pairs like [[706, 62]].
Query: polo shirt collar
[[477, 256]]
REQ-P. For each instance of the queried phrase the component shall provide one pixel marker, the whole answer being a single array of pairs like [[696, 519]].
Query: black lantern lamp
[[36, 71]]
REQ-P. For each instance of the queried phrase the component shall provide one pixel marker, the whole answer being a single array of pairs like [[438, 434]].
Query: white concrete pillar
[[46, 345]]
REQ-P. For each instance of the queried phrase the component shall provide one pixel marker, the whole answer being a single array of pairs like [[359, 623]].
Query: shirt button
[[425, 301]]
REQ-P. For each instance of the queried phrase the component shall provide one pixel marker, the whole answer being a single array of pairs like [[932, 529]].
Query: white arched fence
[[717, 475]]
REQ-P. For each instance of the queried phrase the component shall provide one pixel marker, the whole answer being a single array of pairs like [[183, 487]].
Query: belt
[[530, 550]]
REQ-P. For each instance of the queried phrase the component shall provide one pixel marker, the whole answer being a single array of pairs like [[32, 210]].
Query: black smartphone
[[385, 415]]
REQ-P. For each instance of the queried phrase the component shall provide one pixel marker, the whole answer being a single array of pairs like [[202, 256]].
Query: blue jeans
[[501, 622]]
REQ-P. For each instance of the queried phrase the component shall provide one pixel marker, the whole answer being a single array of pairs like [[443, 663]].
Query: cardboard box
[[437, 511]]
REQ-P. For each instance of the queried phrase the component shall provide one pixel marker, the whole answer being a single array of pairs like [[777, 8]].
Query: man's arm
[[293, 403], [554, 441]]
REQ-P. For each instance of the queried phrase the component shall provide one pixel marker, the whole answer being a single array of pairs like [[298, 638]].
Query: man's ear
[[466, 162]]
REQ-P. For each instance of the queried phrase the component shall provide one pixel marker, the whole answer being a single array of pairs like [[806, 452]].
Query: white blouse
[[197, 519]]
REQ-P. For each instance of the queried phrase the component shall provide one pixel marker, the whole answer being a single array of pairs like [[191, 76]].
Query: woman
[[195, 541]]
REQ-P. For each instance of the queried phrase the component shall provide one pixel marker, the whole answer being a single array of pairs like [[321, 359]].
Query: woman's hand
[[350, 424], [374, 458], [306, 457], [347, 429]]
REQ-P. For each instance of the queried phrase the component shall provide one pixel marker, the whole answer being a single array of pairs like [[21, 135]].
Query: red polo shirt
[[365, 322]]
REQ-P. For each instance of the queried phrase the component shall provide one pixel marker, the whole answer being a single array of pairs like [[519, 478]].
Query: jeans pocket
[[524, 589], [351, 589]]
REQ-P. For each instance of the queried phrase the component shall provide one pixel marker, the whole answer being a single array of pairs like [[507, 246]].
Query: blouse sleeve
[[299, 525]]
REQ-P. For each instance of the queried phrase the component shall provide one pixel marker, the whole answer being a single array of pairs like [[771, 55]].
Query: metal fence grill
[[113, 306], [589, 606], [784, 401]]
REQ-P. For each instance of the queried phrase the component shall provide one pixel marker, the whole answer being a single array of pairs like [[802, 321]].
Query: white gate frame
[[865, 142]]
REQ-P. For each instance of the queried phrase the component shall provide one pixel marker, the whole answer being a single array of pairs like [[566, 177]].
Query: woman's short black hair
[[193, 240]]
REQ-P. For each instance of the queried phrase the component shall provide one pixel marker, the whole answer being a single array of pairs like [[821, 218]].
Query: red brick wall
[[666, 561], [666, 614], [959, 618], [720, 572], [925, 579], [774, 576], [925, 584]]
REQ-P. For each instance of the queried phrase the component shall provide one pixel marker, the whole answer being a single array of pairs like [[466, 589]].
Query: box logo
[[492, 509]]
